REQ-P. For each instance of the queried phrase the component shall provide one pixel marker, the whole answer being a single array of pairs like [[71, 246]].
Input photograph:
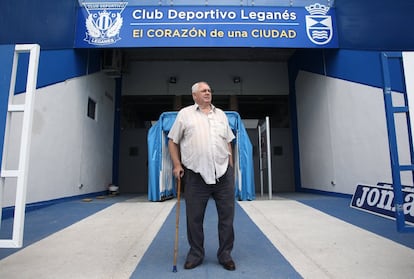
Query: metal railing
[[396, 167], [19, 174]]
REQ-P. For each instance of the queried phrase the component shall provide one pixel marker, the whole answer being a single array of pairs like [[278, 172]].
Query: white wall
[[68, 148], [342, 134], [258, 78]]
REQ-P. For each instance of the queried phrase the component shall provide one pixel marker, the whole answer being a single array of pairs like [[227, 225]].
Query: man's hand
[[178, 171]]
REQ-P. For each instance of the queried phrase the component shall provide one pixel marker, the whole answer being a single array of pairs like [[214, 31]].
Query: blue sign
[[379, 200], [115, 24]]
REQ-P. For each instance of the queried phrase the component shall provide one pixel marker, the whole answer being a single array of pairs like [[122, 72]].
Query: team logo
[[318, 24], [104, 22]]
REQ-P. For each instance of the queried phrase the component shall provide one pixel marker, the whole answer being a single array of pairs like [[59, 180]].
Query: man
[[200, 147]]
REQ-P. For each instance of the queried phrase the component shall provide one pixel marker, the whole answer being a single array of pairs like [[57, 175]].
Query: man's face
[[203, 95]]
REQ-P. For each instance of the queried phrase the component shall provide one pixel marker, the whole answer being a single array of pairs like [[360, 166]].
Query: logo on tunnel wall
[[103, 22], [318, 24]]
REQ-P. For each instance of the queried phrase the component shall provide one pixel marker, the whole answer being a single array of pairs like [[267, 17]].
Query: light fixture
[[236, 79], [173, 80]]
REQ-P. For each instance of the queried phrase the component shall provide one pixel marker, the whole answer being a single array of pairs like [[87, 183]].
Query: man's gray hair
[[196, 85]]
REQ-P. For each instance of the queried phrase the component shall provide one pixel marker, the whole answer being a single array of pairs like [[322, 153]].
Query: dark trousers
[[197, 194]]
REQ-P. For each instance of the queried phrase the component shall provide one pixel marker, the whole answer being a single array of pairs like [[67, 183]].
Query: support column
[[178, 103], [234, 103]]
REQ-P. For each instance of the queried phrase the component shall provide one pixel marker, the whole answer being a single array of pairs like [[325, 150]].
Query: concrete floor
[[124, 239]]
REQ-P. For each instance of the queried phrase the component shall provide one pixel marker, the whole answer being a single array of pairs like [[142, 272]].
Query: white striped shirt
[[203, 140]]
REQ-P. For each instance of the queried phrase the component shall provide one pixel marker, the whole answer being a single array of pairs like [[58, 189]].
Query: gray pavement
[[111, 243]]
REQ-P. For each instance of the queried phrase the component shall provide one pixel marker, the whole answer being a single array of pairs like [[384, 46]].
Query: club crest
[[318, 24], [104, 22]]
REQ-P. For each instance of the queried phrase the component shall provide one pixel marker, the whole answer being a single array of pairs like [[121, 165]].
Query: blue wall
[[375, 24], [6, 58], [363, 25], [49, 23], [58, 65]]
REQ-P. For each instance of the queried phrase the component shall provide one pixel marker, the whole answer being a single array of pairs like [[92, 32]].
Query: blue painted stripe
[[254, 255], [8, 212]]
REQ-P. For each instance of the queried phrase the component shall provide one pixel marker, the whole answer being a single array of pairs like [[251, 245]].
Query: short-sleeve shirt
[[203, 140]]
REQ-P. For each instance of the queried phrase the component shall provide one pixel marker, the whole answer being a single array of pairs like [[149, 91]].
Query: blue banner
[[379, 200], [115, 24]]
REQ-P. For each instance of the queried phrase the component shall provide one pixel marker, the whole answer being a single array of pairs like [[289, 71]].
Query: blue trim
[[8, 212], [325, 193]]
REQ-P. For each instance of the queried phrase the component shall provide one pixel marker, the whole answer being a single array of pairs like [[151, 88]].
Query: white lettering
[[176, 33], [145, 14], [388, 197], [201, 15], [360, 201], [409, 204], [266, 15], [373, 200]]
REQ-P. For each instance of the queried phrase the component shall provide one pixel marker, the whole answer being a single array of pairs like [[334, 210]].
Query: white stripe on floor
[[321, 246], [108, 244]]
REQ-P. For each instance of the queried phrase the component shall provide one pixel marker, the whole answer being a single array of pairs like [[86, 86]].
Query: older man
[[201, 152]]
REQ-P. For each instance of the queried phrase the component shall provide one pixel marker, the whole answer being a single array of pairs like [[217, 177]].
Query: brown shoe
[[229, 265], [190, 265]]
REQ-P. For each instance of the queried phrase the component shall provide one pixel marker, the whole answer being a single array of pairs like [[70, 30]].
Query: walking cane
[[177, 220]]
